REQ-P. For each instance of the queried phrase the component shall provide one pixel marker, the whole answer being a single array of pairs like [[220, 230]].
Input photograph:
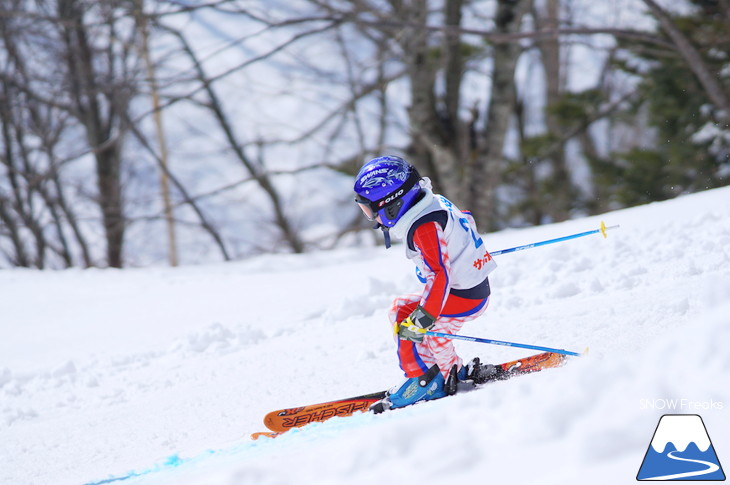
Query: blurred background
[[138, 133]]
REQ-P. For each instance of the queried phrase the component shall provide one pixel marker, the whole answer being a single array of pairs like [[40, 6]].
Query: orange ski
[[286, 419], [533, 363]]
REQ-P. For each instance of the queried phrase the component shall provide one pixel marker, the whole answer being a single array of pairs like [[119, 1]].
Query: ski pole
[[498, 342], [602, 230]]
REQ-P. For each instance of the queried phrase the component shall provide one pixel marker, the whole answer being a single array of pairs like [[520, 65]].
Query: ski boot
[[426, 387], [480, 373]]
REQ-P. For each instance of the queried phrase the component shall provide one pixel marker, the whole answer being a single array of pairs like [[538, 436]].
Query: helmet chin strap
[[386, 234]]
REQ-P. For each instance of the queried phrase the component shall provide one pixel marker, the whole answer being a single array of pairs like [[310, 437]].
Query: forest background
[[136, 133]]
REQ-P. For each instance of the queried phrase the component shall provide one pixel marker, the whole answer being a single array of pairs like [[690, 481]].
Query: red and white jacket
[[449, 254]]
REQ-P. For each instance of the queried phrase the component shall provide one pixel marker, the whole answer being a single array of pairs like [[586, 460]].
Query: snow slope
[[158, 376]]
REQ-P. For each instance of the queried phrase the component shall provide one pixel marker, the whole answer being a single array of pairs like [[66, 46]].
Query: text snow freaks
[[680, 404]]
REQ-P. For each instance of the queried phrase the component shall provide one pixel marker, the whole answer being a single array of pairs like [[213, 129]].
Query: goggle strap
[[410, 182]]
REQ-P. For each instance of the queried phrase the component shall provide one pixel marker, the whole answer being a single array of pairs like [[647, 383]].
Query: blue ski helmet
[[387, 187]]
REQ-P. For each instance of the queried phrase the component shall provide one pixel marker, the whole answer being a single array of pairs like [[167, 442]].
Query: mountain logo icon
[[681, 450]]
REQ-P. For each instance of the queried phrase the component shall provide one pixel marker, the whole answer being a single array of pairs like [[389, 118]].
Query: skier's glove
[[415, 326]]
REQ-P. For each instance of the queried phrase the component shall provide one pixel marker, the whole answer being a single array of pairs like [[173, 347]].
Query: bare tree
[[256, 170], [101, 80], [33, 205]]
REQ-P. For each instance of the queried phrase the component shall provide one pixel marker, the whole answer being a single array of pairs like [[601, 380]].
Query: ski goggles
[[366, 206]]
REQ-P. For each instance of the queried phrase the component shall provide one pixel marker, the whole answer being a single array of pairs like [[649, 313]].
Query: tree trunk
[[435, 131], [558, 201], [86, 93], [486, 174]]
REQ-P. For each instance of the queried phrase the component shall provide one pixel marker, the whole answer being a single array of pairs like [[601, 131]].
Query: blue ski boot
[[423, 388]]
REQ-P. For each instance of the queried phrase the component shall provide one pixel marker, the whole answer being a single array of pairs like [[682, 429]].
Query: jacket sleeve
[[430, 241]]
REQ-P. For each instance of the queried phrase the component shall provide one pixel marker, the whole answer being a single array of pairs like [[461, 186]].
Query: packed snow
[[160, 375]]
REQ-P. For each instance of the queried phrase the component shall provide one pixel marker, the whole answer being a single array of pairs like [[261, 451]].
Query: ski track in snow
[[167, 371]]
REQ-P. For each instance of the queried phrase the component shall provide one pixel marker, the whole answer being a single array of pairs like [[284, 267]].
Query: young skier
[[451, 261]]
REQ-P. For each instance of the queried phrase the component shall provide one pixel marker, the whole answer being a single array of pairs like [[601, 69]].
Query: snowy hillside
[[164, 373]]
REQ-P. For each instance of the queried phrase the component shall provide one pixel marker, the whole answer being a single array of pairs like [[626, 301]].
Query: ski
[[283, 420], [533, 363]]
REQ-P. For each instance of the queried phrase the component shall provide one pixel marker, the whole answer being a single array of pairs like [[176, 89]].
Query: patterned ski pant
[[416, 358]]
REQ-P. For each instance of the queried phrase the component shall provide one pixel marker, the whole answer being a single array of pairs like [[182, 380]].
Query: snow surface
[[159, 376]]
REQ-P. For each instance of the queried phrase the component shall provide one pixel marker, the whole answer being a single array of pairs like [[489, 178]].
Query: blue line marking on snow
[[175, 461], [172, 461], [112, 480], [249, 449]]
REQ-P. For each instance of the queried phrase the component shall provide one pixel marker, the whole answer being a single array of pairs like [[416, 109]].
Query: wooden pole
[[162, 142]]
